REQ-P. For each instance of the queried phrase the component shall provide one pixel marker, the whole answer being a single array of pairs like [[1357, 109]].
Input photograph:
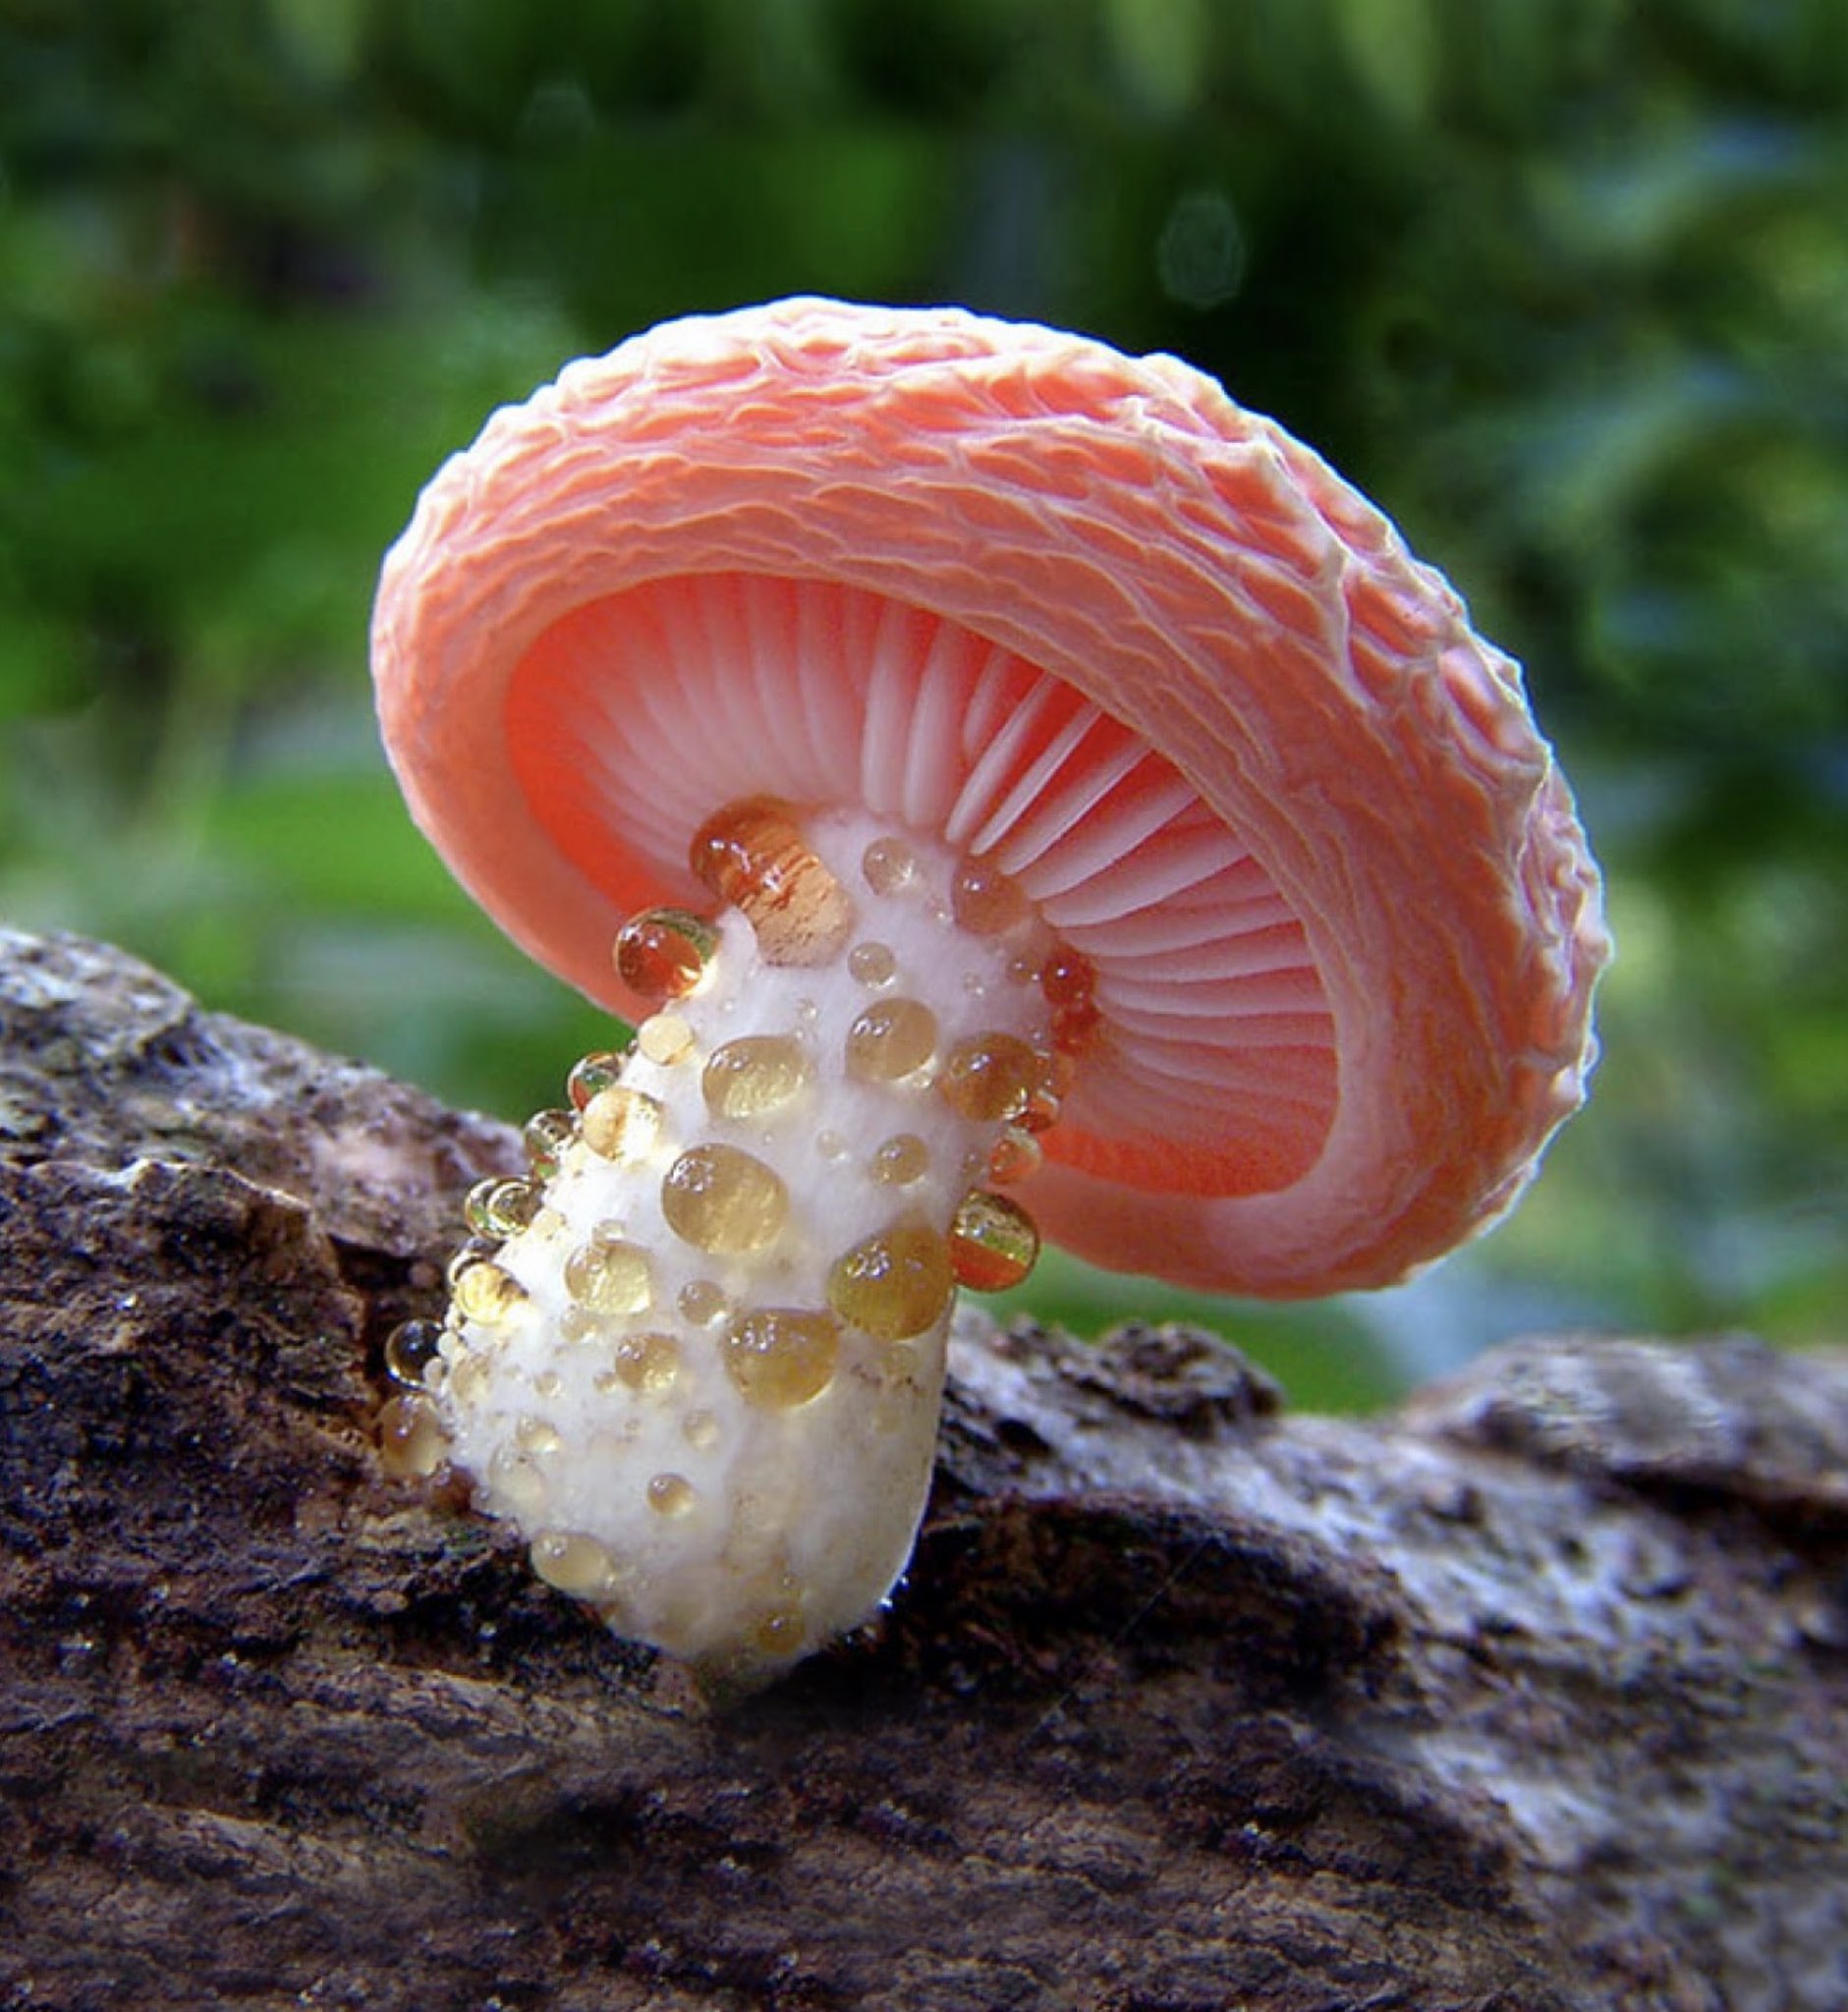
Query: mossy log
[[1531, 1695]]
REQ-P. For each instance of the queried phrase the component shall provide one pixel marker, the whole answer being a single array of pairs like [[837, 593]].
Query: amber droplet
[[485, 1292], [700, 1429], [990, 1077], [662, 952], [901, 1159], [1076, 1028], [1067, 979], [892, 1040], [591, 1075], [780, 1356], [666, 1039], [993, 1242], [985, 901], [622, 1124], [576, 1565], [608, 1274], [703, 1302], [518, 1486], [888, 866], [648, 1363], [753, 1076], [410, 1440], [500, 1208], [671, 1494], [538, 1436], [469, 1378], [547, 1133], [1015, 1155], [409, 1349], [871, 964], [752, 855], [718, 1198], [1043, 1106], [893, 1284]]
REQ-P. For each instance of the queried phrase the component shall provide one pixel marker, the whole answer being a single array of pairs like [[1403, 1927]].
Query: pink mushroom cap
[[1077, 612]]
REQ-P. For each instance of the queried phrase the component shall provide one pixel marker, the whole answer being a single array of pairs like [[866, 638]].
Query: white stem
[[637, 1401]]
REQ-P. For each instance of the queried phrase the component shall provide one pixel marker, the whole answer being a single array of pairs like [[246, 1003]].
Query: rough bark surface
[[1532, 1696]]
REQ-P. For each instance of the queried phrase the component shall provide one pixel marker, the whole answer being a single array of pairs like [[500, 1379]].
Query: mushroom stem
[[697, 1358]]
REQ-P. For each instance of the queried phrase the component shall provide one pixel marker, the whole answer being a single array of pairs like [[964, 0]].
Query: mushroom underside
[[1213, 1070]]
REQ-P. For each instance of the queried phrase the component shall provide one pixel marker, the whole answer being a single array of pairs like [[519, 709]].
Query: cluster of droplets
[[747, 1223]]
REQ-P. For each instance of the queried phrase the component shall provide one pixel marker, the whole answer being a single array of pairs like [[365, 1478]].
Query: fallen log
[[1532, 1693]]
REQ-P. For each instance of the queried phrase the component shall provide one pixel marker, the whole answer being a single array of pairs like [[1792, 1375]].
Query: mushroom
[[1011, 777]]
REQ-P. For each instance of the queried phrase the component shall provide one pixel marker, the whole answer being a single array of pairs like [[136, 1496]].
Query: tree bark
[[1527, 1696]]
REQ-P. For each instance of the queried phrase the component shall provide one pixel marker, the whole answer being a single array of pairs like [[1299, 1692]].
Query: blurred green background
[[1562, 283]]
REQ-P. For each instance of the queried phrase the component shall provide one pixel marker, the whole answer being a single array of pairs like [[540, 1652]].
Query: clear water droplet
[[662, 952], [993, 1242]]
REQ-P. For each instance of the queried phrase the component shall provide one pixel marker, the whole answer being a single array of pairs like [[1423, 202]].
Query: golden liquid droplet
[[591, 1074], [485, 1292], [871, 964], [671, 1494], [1068, 984], [753, 1076], [517, 1484], [608, 1274], [662, 952], [410, 1439], [500, 1208], [780, 1356], [752, 855], [1067, 979], [985, 901], [993, 1242], [1043, 1109], [716, 1198], [469, 1378], [666, 1039], [576, 1565], [648, 1363], [1015, 1155], [622, 1124], [889, 865], [409, 1349], [703, 1301], [900, 1160], [700, 1429], [537, 1436], [890, 1040], [893, 1284], [990, 1077], [547, 1133]]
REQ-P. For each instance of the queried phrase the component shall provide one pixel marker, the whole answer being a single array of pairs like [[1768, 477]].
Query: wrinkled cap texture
[[1345, 922]]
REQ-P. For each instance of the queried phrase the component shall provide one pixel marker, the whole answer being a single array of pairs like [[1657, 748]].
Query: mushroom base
[[697, 1361]]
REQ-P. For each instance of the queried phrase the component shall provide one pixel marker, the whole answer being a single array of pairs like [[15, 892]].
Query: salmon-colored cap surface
[[1077, 611]]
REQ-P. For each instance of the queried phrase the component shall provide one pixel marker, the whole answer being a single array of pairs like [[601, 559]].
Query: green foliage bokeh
[[1562, 283]]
